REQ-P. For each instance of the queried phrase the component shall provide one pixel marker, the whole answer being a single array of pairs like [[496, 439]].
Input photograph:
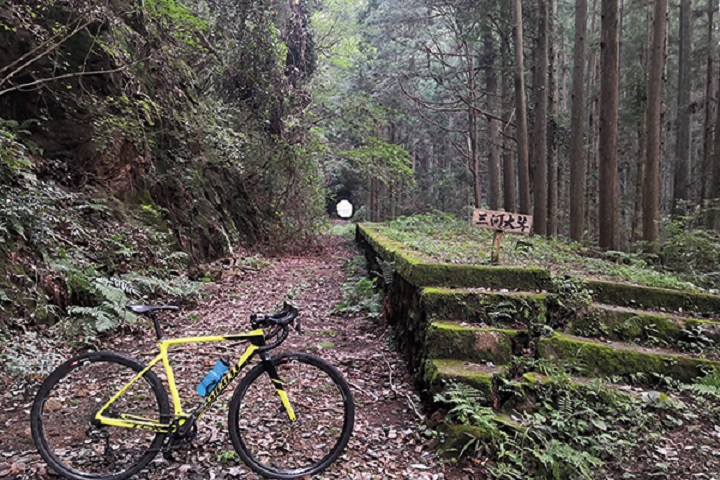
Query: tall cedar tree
[[608, 154], [577, 157], [540, 184], [714, 214], [681, 192], [521, 111], [706, 167], [493, 124], [651, 190], [552, 153], [508, 157]]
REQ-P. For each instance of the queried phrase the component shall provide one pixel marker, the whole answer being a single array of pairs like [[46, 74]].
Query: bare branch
[[60, 77], [47, 50]]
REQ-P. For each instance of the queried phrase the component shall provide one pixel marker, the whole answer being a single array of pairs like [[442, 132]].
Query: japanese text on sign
[[504, 221]]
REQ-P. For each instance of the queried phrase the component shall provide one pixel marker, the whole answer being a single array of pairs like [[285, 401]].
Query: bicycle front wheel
[[62, 417], [277, 447]]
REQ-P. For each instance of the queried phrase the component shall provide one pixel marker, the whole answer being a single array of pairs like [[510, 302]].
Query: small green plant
[[228, 456], [360, 297]]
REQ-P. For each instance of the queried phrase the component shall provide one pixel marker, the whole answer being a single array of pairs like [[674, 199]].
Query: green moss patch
[[474, 344], [483, 307], [598, 359], [625, 324], [438, 372], [650, 297]]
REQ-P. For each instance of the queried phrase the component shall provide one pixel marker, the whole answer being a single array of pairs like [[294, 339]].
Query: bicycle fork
[[266, 360]]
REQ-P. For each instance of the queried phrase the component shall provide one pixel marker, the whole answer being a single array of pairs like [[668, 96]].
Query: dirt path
[[390, 440]]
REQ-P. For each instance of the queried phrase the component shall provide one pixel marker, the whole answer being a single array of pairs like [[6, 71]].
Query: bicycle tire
[[62, 413], [264, 437]]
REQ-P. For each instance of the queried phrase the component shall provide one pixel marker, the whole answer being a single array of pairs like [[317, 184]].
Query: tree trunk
[[540, 180], [474, 156], [577, 125], [637, 210], [714, 194], [552, 159], [508, 157], [608, 155], [651, 190], [592, 190], [521, 112], [681, 190], [494, 192], [706, 167]]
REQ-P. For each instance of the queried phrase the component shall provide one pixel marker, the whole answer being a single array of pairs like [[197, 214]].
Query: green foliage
[[386, 161], [176, 17], [546, 444], [466, 405], [98, 302], [360, 297], [691, 252], [13, 154]]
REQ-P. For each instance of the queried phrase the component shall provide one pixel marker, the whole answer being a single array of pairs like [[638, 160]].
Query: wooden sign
[[502, 221]]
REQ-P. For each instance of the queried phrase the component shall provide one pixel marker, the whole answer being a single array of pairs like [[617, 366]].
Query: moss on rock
[[650, 297], [624, 324], [449, 340], [483, 307], [597, 359], [438, 372]]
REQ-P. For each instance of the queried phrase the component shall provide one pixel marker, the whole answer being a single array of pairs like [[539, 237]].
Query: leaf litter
[[390, 439]]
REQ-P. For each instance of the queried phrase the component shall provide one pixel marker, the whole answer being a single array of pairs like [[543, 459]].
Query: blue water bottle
[[213, 377]]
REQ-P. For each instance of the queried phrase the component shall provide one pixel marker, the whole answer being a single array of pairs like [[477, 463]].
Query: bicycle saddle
[[140, 309]]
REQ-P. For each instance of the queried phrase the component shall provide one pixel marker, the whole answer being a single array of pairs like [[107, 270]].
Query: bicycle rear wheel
[[273, 445], [65, 406]]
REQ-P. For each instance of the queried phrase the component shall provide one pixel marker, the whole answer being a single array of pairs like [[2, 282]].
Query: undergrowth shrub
[[98, 302], [692, 252], [567, 435], [360, 294]]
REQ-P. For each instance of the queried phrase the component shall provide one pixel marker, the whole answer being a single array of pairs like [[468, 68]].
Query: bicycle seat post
[[158, 332]]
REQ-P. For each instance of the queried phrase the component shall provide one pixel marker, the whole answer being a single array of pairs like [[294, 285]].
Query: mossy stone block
[[473, 344], [598, 359], [438, 372], [456, 441], [484, 307], [626, 295], [624, 324]]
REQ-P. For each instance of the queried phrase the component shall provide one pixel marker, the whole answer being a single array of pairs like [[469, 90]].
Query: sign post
[[501, 221]]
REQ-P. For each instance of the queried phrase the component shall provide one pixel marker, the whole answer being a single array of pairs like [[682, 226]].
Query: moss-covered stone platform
[[469, 324]]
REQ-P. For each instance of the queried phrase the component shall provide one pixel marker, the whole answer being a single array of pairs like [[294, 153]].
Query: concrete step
[[651, 328], [636, 296], [595, 358], [483, 306], [438, 373], [462, 341]]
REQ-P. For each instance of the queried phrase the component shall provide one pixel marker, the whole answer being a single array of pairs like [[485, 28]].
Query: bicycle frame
[[256, 339]]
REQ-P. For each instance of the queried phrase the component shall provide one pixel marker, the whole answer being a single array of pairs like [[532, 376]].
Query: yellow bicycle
[[105, 416]]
